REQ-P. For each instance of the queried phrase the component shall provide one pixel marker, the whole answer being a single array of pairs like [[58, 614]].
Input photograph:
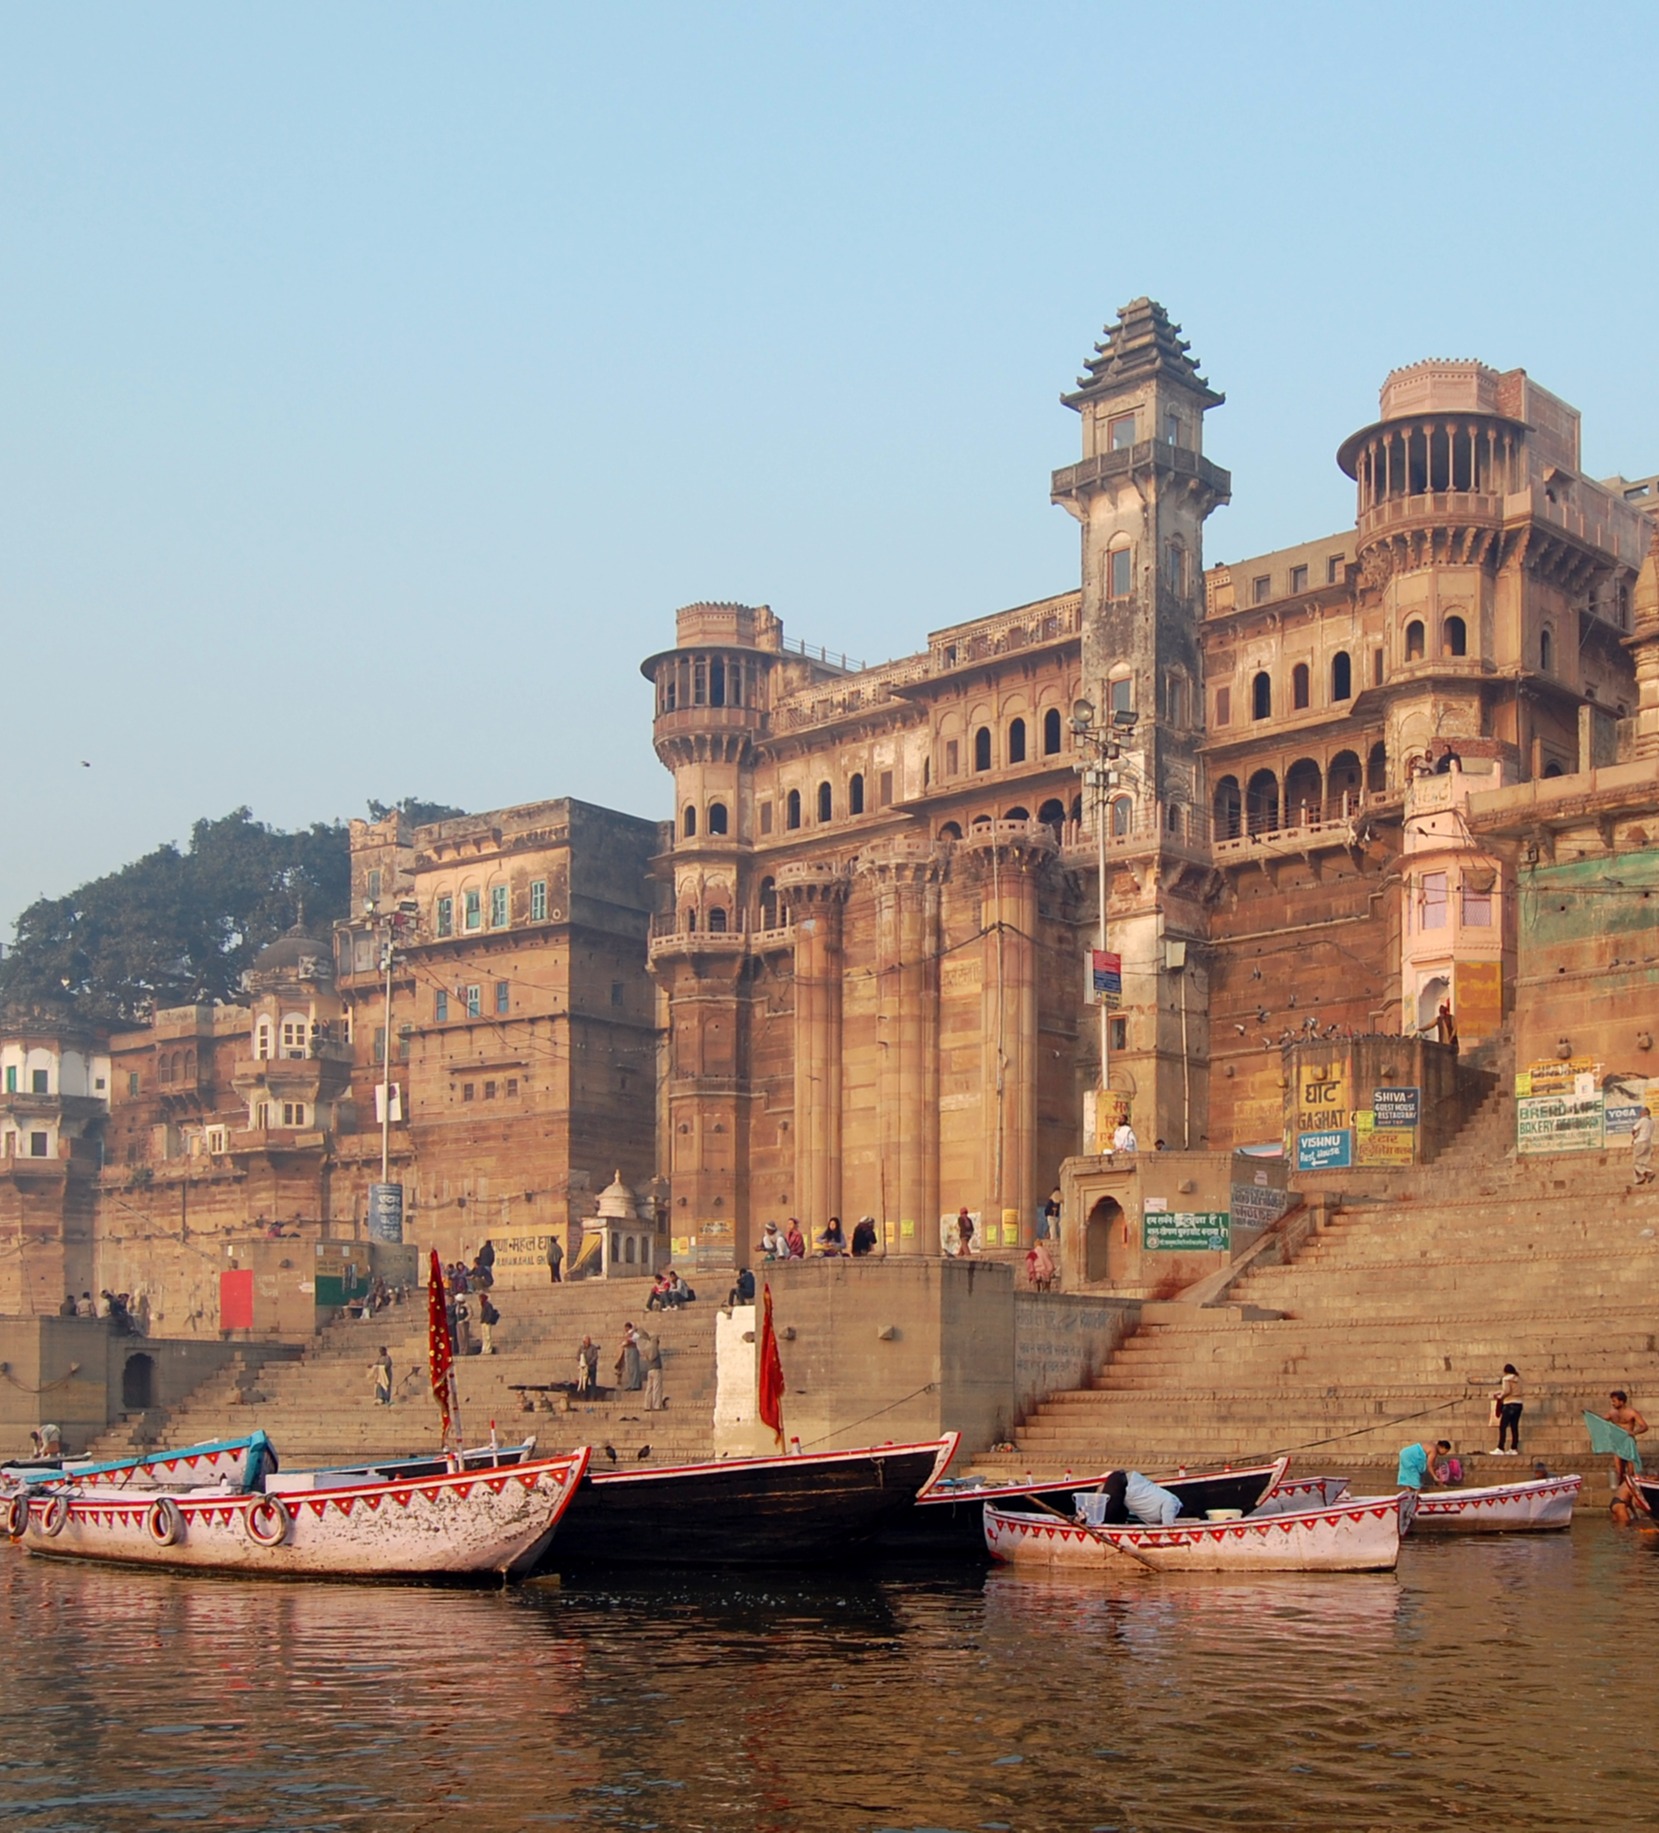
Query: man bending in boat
[[1127, 1496], [1417, 1463]]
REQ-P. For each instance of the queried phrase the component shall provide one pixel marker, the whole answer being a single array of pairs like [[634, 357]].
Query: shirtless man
[[1625, 1415]]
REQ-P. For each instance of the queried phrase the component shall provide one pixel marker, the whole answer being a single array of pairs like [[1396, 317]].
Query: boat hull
[[746, 1511], [949, 1521], [1359, 1535], [1290, 1495], [236, 1462], [471, 1524], [1542, 1506]]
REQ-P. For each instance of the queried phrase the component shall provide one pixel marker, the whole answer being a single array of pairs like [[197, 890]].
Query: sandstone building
[[884, 879]]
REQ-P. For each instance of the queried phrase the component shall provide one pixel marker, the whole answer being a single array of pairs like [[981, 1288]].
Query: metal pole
[[386, 1073], [1105, 1009]]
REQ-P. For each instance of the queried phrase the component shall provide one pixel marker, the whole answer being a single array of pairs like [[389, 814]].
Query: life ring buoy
[[163, 1522], [17, 1517], [55, 1515], [267, 1521]]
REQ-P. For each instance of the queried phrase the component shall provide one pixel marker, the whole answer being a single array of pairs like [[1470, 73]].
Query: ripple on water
[[1494, 1684]]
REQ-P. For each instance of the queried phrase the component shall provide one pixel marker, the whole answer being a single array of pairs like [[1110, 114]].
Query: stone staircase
[[1393, 1324], [320, 1408]]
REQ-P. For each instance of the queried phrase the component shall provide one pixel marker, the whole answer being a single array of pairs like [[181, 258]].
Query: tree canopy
[[416, 812], [172, 927]]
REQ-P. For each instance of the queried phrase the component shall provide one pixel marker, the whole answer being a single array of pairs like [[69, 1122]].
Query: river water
[[1499, 1684]]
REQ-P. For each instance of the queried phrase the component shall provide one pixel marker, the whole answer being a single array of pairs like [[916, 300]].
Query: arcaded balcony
[[1438, 469]]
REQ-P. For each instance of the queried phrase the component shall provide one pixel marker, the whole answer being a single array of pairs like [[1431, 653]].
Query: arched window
[[1261, 696], [952, 830], [855, 794], [1229, 809], [1343, 784], [1175, 566], [690, 919], [1299, 686], [1053, 814], [1454, 637], [1122, 692], [826, 802], [1376, 769], [768, 903], [1546, 651], [717, 682], [1175, 699], [1016, 814], [717, 817], [1077, 809], [792, 809], [1051, 732], [690, 820], [1552, 768], [717, 920], [1016, 742], [1342, 676], [1120, 572], [1175, 819], [1414, 641], [1304, 793], [982, 748], [1123, 816], [1261, 803]]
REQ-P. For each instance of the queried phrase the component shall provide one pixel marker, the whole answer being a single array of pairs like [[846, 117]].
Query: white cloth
[[1123, 1140], [1148, 1503]]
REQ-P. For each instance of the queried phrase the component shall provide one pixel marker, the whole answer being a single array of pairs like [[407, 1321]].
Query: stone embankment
[[1394, 1323], [321, 1409]]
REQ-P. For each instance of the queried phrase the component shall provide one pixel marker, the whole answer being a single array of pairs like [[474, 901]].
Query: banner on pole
[[1105, 978]]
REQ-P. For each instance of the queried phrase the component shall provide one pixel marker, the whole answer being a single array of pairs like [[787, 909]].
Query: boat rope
[[927, 1387], [1382, 1425]]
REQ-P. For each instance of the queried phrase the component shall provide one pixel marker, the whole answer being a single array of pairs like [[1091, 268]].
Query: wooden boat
[[238, 1462], [1538, 1506], [462, 1524], [949, 1519], [341, 1476], [1292, 1493], [1361, 1534], [813, 1507]]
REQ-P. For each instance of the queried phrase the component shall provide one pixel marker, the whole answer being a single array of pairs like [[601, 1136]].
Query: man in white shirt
[[1123, 1140], [1147, 1503]]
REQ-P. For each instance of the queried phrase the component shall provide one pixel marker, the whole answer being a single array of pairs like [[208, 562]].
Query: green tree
[[175, 927], [416, 812]]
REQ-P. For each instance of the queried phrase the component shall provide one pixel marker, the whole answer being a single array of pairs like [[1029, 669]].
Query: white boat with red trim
[[1361, 1534], [1541, 1505], [457, 1525]]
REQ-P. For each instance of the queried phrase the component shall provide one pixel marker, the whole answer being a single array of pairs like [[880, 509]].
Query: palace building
[[886, 880]]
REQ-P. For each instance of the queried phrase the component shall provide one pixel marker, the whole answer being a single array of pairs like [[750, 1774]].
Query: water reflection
[[1498, 1684]]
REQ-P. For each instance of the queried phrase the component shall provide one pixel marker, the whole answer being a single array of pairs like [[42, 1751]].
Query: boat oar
[[1128, 1555]]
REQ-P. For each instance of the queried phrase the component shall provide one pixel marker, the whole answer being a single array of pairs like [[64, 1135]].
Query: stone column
[[815, 894], [1012, 859]]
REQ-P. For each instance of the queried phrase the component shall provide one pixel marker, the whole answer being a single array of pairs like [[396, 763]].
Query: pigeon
[[644, 1453], [1239, 1029], [85, 765], [1261, 1015], [1255, 973], [609, 1451]]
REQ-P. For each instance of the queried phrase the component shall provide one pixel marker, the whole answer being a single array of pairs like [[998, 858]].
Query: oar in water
[[1128, 1555]]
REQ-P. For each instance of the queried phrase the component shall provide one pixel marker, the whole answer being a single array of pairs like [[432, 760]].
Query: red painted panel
[[236, 1299]]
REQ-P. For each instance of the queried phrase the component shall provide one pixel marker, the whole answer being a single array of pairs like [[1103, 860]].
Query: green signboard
[[1200, 1231]]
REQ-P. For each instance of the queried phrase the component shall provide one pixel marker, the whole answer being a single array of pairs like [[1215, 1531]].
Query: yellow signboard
[[1322, 1096], [1478, 993]]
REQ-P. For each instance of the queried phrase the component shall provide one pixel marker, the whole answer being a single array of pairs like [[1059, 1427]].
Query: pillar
[[815, 896]]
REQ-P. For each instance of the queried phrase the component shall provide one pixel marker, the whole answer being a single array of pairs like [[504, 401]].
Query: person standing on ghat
[[1641, 1147], [1506, 1404]]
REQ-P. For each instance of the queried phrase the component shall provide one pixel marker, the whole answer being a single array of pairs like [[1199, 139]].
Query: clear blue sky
[[376, 379]]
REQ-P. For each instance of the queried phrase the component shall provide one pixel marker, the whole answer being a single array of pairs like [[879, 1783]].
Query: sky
[[375, 380]]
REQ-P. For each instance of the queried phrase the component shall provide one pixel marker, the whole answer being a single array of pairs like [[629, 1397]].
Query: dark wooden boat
[[810, 1508], [949, 1520]]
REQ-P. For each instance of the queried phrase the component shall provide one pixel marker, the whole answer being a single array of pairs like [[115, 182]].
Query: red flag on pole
[[771, 1372], [439, 1351]]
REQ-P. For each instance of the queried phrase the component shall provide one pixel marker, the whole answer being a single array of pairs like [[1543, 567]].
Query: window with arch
[[1229, 809], [1016, 741], [855, 794], [792, 809], [1376, 769], [1261, 803], [768, 903], [1261, 696], [982, 748], [689, 825], [826, 802], [1342, 676], [1077, 810], [1053, 815], [1051, 732], [1122, 693], [1299, 687], [1123, 816], [691, 919], [1546, 651], [1120, 572], [1454, 637], [952, 830], [1414, 641], [1175, 820], [1175, 566], [717, 920], [717, 817], [1175, 699]]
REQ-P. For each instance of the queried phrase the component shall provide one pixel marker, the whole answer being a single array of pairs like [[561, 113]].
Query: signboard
[[1256, 1206], [1331, 1150], [1376, 1144], [1555, 1076], [1559, 1123], [385, 1212], [1105, 979], [1104, 1111], [1321, 1097], [1396, 1107], [1621, 1118], [1202, 1231]]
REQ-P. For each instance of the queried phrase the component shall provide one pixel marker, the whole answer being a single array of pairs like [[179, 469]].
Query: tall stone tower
[[1142, 492]]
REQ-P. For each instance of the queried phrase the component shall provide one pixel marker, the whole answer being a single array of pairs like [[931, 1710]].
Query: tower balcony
[[323, 1074], [1438, 511], [1124, 462]]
